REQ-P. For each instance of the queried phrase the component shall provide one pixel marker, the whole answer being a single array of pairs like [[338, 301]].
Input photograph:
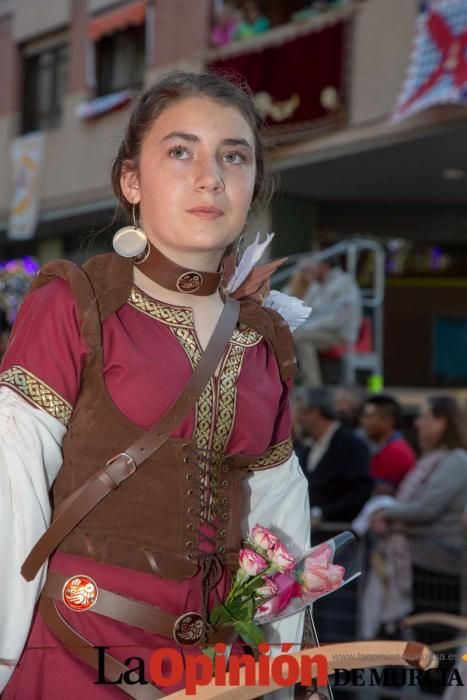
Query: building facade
[[329, 79]]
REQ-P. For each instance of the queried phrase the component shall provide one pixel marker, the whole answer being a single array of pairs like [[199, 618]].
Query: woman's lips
[[206, 212]]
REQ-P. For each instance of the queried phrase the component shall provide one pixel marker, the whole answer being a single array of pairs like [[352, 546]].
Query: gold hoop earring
[[130, 241], [239, 250]]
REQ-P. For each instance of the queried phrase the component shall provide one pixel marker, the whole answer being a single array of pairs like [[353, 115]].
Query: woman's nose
[[209, 176]]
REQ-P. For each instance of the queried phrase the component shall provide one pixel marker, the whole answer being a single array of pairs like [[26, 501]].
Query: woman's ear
[[129, 182]]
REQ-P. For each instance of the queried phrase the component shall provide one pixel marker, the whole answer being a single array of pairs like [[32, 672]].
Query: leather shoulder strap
[[123, 465], [83, 293], [111, 277]]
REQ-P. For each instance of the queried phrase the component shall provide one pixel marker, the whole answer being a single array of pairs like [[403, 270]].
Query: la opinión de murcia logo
[[168, 667]]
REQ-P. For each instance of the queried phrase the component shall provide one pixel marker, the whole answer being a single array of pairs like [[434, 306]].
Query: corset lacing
[[212, 472]]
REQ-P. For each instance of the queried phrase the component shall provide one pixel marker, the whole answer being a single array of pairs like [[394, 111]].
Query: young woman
[[98, 356]]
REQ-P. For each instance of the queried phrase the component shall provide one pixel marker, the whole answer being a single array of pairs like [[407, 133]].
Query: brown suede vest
[[152, 521]]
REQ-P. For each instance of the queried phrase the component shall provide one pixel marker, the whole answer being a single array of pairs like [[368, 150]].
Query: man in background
[[335, 317], [337, 463], [337, 469], [393, 457], [349, 400]]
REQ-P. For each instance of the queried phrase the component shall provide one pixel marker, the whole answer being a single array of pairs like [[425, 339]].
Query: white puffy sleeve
[[30, 458], [278, 499]]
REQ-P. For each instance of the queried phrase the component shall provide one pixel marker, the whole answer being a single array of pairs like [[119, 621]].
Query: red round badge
[[79, 593]]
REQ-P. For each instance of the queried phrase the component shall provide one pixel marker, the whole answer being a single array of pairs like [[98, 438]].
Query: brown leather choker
[[168, 274]]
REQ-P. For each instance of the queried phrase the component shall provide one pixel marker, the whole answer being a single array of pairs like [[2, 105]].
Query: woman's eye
[[179, 153], [234, 158]]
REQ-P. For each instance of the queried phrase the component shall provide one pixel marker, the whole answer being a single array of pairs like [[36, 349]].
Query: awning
[[114, 21]]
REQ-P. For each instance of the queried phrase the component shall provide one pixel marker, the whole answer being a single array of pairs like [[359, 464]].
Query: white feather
[[293, 310], [247, 262]]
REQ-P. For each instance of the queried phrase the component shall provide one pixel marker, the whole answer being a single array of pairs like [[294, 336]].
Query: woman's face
[[430, 429], [196, 177]]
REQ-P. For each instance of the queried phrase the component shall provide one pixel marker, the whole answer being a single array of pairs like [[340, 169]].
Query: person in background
[[335, 317], [394, 456], [429, 511], [337, 469], [337, 463], [349, 400], [253, 21], [225, 26]]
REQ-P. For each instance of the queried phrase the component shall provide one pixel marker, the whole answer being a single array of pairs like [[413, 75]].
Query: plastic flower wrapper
[[322, 570], [271, 583]]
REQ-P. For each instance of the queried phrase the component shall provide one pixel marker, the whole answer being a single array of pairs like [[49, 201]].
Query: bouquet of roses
[[271, 583]]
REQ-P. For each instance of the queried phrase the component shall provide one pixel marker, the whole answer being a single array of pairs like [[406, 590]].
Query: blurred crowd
[[408, 506], [406, 500], [243, 20]]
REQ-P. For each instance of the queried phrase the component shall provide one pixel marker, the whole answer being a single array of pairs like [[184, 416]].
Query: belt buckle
[[130, 460], [189, 629], [80, 593]]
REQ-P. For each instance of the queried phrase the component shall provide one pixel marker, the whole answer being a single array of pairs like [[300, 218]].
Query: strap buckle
[[130, 462]]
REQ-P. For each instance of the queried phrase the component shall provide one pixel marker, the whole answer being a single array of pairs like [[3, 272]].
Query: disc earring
[[239, 250], [130, 241]]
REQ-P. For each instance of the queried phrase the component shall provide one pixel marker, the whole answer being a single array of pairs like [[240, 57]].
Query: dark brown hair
[[455, 434], [179, 85]]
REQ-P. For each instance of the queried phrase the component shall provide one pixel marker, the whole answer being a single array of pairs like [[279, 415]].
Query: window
[[120, 60], [44, 83]]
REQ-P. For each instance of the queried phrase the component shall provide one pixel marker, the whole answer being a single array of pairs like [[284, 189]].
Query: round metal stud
[[189, 282], [189, 629]]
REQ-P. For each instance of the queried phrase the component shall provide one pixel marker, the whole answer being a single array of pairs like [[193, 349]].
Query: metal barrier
[[337, 618]]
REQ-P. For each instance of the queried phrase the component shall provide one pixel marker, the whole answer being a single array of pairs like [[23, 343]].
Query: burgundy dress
[[150, 349]]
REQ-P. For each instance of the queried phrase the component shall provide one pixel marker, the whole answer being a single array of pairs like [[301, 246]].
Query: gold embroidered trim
[[227, 397], [37, 392], [274, 455], [246, 337], [205, 404], [177, 316], [170, 315]]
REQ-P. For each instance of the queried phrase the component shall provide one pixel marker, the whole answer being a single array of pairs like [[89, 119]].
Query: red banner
[[298, 84]]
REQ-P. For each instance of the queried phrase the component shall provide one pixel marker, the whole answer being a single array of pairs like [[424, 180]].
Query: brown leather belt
[[136, 613], [127, 610], [88, 654]]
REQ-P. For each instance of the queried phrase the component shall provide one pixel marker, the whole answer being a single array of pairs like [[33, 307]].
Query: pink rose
[[319, 575], [268, 589], [318, 580], [287, 588], [269, 607], [281, 557], [320, 555], [251, 562], [263, 538]]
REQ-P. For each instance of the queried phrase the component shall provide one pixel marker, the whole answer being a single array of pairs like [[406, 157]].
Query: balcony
[[294, 101]]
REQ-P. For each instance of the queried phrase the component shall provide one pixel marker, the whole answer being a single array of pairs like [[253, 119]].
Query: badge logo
[[189, 282], [189, 629], [80, 593]]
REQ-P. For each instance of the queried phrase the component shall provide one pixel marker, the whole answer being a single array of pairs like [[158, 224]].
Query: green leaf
[[249, 632], [211, 652], [221, 615], [245, 614]]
